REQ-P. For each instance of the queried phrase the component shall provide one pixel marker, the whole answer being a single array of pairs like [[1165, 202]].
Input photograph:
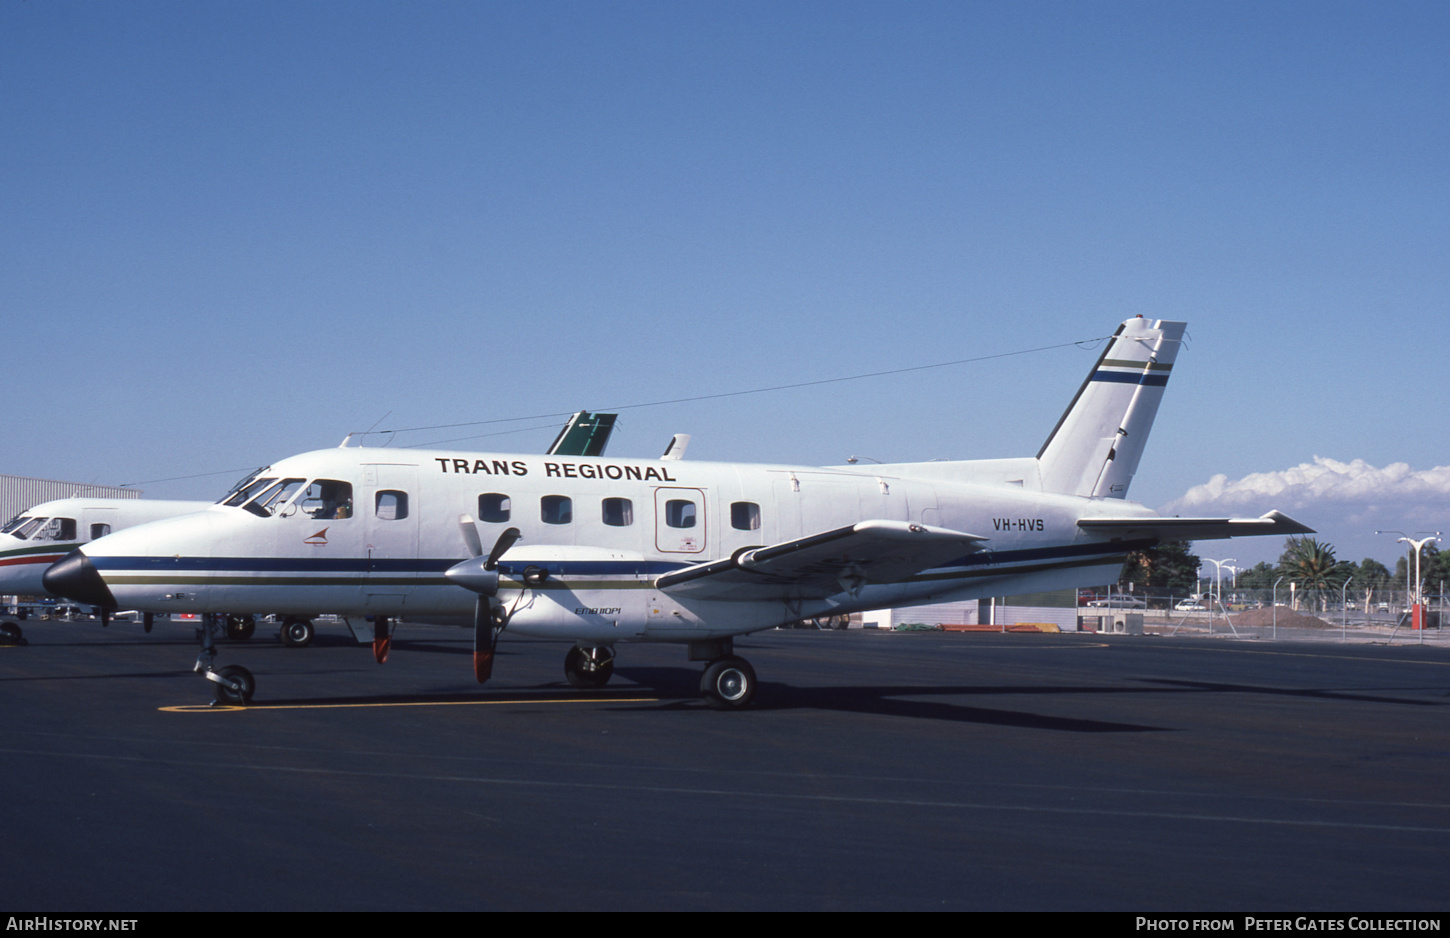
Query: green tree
[[1260, 576], [1311, 565], [1169, 568]]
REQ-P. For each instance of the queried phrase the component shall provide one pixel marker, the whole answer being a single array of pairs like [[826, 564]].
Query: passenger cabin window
[[327, 500], [618, 512], [100, 530], [391, 505], [745, 516], [556, 509], [493, 507], [680, 513]]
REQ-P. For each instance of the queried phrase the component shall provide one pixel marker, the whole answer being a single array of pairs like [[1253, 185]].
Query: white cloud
[[1345, 502], [1355, 485]]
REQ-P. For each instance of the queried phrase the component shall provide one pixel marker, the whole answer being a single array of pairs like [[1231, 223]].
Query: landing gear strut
[[232, 685], [589, 668]]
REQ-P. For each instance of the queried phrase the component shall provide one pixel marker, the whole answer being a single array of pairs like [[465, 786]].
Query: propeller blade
[[483, 639], [500, 547], [470, 535]]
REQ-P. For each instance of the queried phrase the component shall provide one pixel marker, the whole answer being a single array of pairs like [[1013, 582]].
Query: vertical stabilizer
[[1095, 447]]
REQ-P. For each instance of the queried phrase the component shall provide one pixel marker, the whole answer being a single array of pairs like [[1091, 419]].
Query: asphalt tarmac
[[876, 771]]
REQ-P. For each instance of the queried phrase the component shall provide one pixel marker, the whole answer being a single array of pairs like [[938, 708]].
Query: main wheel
[[297, 632], [240, 628], [589, 668], [728, 684], [246, 685], [10, 633]]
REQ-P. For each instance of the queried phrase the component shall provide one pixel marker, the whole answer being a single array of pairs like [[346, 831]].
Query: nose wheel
[[233, 685]]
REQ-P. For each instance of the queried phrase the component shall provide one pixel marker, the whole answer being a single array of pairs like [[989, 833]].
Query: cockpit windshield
[[246, 481], [245, 492], [266, 504], [23, 526]]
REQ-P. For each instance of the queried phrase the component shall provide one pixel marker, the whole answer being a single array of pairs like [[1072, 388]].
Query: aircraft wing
[[1194, 529], [824, 564]]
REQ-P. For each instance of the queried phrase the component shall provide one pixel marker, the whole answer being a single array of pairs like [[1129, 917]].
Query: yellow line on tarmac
[[222, 708]]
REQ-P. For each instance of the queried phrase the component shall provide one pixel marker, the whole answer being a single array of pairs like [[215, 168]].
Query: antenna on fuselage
[[676, 449]]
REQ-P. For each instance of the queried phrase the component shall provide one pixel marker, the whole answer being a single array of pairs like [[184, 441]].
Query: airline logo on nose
[[319, 538]]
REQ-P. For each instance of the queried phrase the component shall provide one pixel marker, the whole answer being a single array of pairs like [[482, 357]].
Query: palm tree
[[1310, 564]]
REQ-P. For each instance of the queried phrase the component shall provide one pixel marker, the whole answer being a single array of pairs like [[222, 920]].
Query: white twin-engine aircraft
[[40, 536], [601, 550]]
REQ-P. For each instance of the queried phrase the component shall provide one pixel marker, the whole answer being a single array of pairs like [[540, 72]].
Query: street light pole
[[1218, 565], [1413, 590]]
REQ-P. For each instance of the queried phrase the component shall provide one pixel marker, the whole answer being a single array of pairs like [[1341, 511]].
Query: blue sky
[[237, 231]]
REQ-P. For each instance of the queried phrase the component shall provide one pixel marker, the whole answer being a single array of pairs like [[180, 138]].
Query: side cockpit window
[[328, 500], [100, 530]]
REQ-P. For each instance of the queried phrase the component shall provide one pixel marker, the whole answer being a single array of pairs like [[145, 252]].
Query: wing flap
[[1194, 529], [821, 565]]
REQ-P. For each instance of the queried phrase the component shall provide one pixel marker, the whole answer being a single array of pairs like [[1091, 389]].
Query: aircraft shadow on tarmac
[[1316, 692]]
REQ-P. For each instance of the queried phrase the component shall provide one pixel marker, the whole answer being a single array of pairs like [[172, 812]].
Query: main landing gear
[[10, 633], [728, 682], [589, 668], [296, 632]]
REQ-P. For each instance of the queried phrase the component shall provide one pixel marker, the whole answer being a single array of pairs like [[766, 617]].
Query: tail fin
[[1095, 447]]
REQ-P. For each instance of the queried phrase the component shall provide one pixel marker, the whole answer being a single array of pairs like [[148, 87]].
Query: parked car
[[1191, 605], [1119, 602]]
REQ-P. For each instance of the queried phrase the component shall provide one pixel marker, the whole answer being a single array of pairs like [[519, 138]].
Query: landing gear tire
[[589, 668], [728, 684], [240, 628], [297, 633], [242, 694], [10, 633]]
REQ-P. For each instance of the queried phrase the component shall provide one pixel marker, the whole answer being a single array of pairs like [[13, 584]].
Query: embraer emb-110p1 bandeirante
[[603, 551], [40, 536]]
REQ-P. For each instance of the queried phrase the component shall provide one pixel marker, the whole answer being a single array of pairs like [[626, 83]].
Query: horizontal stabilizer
[[821, 565], [1194, 529]]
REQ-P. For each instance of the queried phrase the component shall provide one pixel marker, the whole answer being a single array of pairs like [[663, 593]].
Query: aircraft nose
[[75, 577]]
